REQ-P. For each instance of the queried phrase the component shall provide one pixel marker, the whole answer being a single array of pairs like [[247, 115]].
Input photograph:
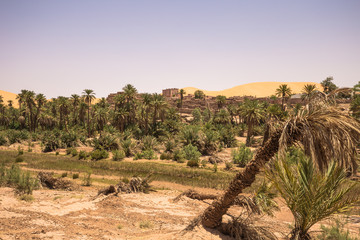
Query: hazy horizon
[[62, 47]]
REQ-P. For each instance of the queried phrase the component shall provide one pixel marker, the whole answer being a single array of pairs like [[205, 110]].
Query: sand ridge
[[256, 89]]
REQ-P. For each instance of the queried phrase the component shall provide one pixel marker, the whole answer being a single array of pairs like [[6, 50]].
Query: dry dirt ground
[[81, 215]]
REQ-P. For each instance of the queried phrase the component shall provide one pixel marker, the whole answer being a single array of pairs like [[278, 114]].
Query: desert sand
[[9, 96], [257, 89]]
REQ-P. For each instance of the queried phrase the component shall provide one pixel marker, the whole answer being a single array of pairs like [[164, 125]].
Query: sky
[[62, 47]]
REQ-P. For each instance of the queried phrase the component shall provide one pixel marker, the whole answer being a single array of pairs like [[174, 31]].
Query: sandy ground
[[81, 215], [258, 89]]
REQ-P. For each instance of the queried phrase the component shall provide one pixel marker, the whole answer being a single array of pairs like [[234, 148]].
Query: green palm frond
[[310, 194]]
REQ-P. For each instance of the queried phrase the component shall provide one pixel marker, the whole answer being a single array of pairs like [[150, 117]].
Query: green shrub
[[74, 152], [87, 179], [166, 156], [57, 153], [118, 155], [336, 232], [193, 163], [26, 184], [50, 141], [145, 224], [3, 140], [149, 143], [242, 155], [191, 152], [19, 159], [169, 146], [128, 147], [15, 136], [82, 155], [228, 165], [27, 197], [64, 174], [204, 163], [179, 156], [99, 154], [20, 151], [105, 142], [149, 154], [75, 176], [69, 139], [227, 137]]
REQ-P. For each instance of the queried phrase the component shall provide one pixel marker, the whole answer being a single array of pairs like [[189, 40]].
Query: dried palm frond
[[326, 134]]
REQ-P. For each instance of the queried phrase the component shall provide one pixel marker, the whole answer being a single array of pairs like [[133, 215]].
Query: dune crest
[[257, 89], [9, 96]]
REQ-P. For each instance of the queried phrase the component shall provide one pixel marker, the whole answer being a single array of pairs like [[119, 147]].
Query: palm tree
[[88, 95], [63, 105], [283, 91], [308, 92], [325, 134], [75, 103], [158, 103], [40, 100], [311, 195], [254, 112], [29, 99], [129, 94], [182, 93], [220, 100]]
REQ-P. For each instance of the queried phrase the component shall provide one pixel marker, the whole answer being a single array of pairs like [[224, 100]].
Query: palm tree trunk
[[212, 216]]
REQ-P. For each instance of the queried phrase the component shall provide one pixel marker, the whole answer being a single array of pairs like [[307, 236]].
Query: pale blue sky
[[61, 47]]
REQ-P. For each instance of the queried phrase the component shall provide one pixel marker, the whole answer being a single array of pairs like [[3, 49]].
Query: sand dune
[[9, 96], [257, 89]]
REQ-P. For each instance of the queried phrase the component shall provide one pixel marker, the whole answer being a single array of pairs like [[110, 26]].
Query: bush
[[149, 142], [146, 154], [26, 184], [166, 156], [179, 156], [15, 136], [75, 176], [64, 174], [336, 232], [82, 155], [242, 155], [69, 139], [118, 155], [227, 137], [228, 166], [105, 142], [50, 141], [99, 154], [87, 179], [170, 146], [19, 159], [74, 152], [128, 147], [191, 152], [3, 140], [20, 151], [193, 163]]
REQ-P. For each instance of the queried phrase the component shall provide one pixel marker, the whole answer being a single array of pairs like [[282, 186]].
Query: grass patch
[[169, 172], [145, 224]]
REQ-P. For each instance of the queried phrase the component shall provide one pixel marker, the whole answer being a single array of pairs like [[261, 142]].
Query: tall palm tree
[[40, 102], [88, 95], [283, 91], [75, 103], [63, 105], [129, 94], [325, 134], [182, 93], [308, 92], [254, 112], [158, 104], [29, 99]]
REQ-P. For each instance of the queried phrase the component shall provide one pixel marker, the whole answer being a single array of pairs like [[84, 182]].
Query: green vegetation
[[174, 172], [310, 194]]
